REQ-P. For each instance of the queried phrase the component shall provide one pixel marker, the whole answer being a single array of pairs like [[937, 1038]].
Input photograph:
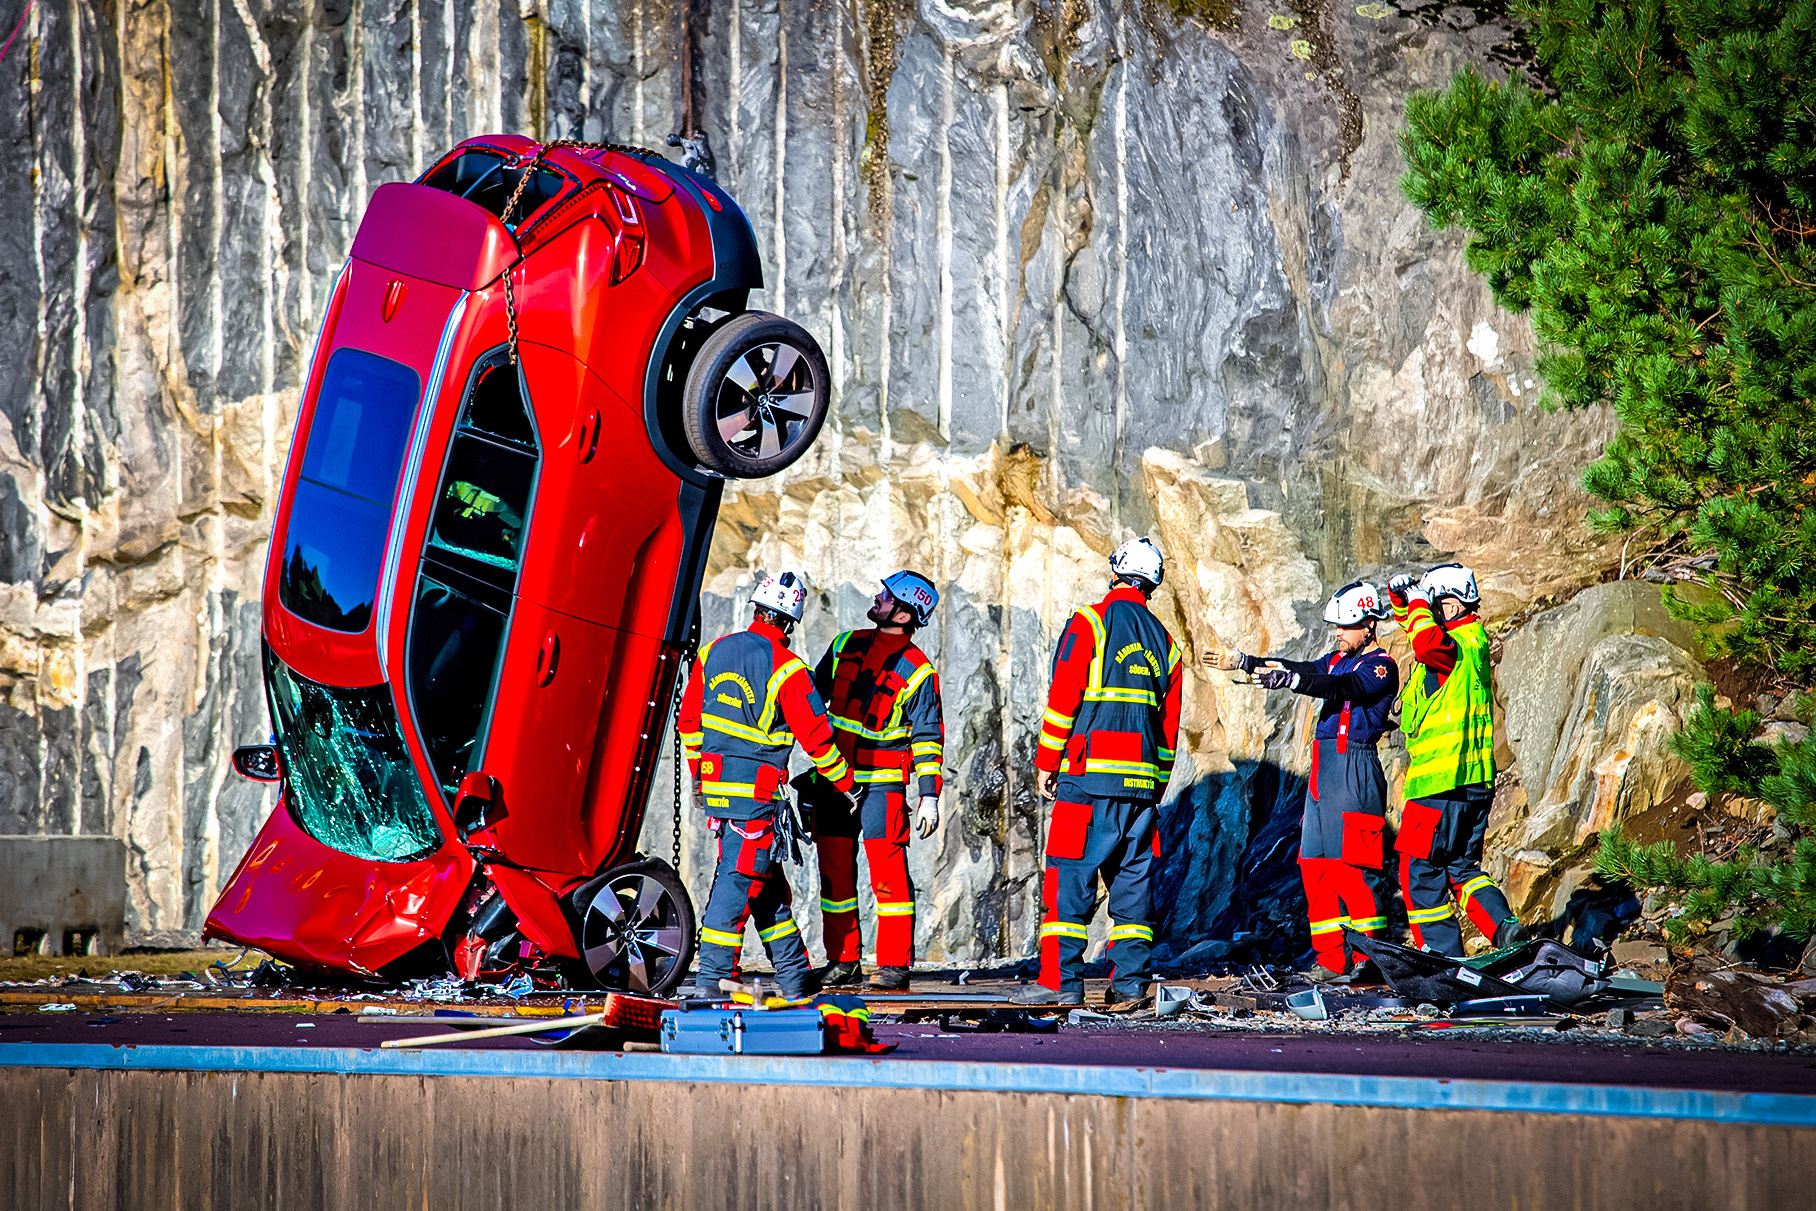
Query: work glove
[[1227, 659], [927, 816], [1279, 679], [1404, 589]]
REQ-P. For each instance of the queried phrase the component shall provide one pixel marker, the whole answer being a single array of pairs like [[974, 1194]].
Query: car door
[[607, 524], [542, 741]]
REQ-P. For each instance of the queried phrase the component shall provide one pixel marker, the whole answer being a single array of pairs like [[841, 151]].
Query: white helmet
[[1355, 603], [1141, 559], [1451, 580], [784, 592]]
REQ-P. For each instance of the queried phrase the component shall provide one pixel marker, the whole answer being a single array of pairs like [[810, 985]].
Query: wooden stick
[[429, 1040]]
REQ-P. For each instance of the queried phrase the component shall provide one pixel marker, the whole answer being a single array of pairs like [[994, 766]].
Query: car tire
[[637, 928], [756, 396]]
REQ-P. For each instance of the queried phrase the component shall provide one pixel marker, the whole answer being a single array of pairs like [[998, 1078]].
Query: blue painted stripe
[[1407, 1093]]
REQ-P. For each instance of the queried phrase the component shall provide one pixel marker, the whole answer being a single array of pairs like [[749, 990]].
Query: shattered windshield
[[351, 782]]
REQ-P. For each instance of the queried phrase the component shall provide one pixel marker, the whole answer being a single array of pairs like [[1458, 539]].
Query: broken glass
[[351, 783], [340, 513]]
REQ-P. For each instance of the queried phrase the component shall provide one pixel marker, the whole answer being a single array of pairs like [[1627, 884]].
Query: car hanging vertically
[[534, 373]]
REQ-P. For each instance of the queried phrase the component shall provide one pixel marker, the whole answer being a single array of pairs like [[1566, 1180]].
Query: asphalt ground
[[1552, 1057]]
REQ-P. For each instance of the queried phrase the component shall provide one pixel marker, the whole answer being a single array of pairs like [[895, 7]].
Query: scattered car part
[[1086, 1017], [1260, 979], [988, 1021], [1422, 975], [1169, 999], [1550, 968], [1525, 1005], [1308, 1004]]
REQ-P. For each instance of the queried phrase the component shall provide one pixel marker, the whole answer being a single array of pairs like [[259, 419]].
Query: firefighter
[[1340, 839], [1106, 751], [884, 699], [1447, 714], [747, 703]]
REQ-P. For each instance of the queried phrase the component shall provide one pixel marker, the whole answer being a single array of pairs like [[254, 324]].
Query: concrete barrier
[[100, 1127]]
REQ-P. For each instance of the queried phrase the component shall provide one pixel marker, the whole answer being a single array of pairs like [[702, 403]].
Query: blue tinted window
[[340, 514]]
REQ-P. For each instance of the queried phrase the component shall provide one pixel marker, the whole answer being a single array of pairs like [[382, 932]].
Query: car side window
[[340, 509], [462, 605], [485, 491]]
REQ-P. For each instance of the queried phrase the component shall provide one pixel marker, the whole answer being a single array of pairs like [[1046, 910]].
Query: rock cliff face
[[1082, 271]]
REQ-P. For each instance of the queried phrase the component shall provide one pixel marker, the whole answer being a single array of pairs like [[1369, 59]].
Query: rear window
[[481, 177], [340, 513]]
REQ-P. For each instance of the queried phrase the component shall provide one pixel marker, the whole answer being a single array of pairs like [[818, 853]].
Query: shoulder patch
[[1380, 671]]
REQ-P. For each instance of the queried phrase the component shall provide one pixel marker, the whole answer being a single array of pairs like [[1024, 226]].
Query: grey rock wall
[[1082, 271]]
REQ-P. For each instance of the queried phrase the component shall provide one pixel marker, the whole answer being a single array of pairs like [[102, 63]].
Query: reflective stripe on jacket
[[748, 701], [1447, 714], [884, 699], [1112, 716]]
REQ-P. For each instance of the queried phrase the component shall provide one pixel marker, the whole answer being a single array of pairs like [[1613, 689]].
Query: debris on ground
[[1732, 999]]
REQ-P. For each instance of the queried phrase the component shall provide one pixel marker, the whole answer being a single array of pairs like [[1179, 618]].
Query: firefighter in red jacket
[[748, 702], [1106, 751], [884, 699]]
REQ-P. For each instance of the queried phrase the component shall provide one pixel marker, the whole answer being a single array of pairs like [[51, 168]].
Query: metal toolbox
[[742, 1031]]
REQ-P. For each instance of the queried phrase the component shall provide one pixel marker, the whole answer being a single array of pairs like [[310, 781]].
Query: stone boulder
[[1593, 692]]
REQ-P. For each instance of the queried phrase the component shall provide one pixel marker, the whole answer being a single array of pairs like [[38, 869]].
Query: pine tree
[[1650, 200], [1648, 196]]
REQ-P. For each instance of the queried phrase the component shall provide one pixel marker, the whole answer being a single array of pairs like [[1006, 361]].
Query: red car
[[486, 561]]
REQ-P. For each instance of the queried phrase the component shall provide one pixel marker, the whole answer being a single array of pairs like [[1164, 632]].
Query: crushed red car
[[536, 370]]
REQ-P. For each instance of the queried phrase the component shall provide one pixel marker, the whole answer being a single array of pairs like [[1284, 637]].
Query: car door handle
[[587, 440], [548, 658]]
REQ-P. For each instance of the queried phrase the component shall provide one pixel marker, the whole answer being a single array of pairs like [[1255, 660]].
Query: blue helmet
[[915, 591]]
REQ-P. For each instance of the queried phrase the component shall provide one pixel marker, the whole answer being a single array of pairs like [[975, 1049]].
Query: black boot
[[808, 987], [1123, 998], [890, 979], [840, 975], [1040, 994]]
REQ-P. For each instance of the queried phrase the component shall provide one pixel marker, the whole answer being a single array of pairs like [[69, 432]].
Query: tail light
[[627, 250]]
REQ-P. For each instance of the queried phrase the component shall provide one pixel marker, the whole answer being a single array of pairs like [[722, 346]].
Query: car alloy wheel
[[637, 928], [756, 396]]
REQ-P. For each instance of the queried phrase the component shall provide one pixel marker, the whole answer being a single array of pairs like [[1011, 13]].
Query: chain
[[529, 170], [680, 681]]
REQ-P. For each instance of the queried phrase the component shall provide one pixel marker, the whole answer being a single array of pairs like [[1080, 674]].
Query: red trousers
[[1337, 894], [839, 899]]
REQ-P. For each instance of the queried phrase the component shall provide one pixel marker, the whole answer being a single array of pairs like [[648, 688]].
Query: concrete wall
[[91, 1140], [56, 885]]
